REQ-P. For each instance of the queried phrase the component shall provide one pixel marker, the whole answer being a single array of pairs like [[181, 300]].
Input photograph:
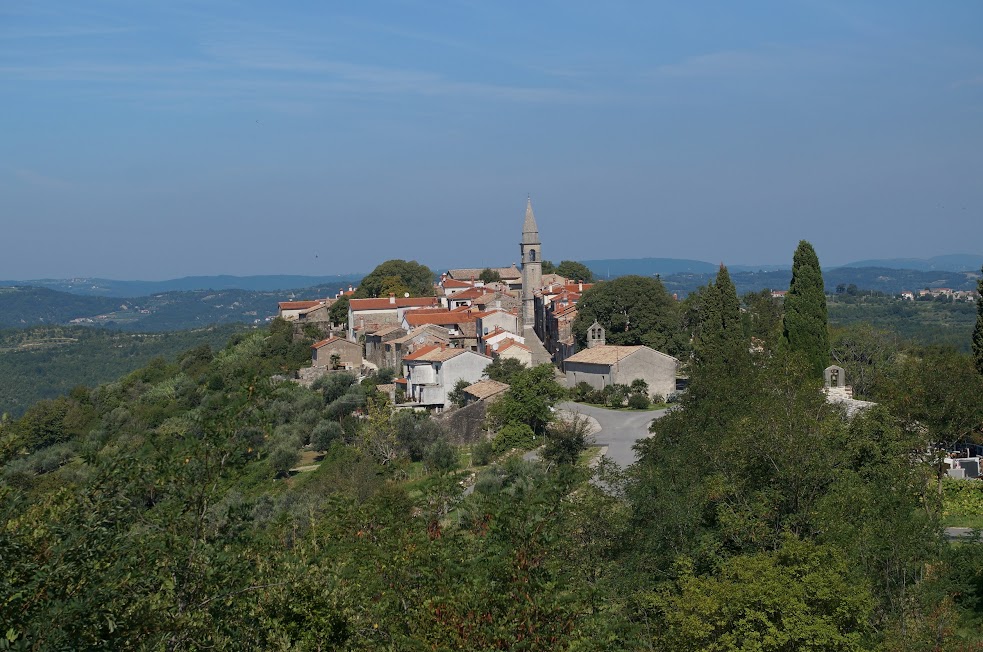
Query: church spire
[[530, 232]]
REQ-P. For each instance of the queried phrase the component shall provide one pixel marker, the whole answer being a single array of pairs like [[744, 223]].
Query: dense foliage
[[978, 330], [397, 277], [209, 502], [806, 326], [48, 361], [574, 271], [633, 310]]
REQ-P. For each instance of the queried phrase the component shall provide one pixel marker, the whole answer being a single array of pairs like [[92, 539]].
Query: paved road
[[964, 534], [619, 429]]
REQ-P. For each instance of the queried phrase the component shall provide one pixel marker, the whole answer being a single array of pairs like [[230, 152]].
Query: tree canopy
[[397, 276], [633, 310], [489, 275], [978, 330], [805, 325], [571, 269]]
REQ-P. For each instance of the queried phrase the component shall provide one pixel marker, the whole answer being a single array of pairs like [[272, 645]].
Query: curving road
[[619, 430]]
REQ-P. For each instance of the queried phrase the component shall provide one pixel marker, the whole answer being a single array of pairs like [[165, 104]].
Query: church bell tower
[[530, 250]]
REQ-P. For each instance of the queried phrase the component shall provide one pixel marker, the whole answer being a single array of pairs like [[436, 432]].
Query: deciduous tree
[[417, 279], [633, 310]]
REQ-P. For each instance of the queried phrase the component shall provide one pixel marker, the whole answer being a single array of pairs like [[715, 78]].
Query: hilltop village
[[437, 343]]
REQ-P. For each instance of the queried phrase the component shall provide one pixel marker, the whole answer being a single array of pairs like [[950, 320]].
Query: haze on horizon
[[196, 138]]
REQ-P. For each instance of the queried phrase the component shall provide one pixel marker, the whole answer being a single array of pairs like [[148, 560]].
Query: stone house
[[485, 390], [492, 340], [375, 349], [336, 353], [511, 276], [510, 348], [290, 310], [496, 318], [602, 365], [394, 350], [370, 315], [432, 372]]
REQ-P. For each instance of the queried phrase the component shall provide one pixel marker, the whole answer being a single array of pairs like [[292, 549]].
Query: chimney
[[580, 286], [392, 298], [349, 288]]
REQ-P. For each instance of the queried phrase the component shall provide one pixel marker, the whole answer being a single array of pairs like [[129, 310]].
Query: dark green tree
[[549, 267], [978, 331], [633, 310], [529, 399], [338, 312], [806, 330], [504, 369], [571, 269], [762, 318], [457, 395], [416, 278], [488, 275]]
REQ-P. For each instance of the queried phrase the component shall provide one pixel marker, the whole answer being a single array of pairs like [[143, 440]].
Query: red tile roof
[[389, 304], [334, 338], [508, 342], [419, 318], [473, 293], [454, 283], [298, 305], [423, 350]]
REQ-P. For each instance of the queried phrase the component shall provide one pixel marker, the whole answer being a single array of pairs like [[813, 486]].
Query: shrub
[[324, 434], [283, 457], [514, 435], [566, 439], [639, 402], [482, 453], [440, 456], [582, 392]]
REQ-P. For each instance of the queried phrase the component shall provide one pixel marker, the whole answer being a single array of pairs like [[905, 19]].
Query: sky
[[158, 140]]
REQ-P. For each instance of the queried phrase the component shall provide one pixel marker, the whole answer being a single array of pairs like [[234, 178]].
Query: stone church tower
[[532, 266]]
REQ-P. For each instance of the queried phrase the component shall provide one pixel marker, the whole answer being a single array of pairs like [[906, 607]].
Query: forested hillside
[[209, 503], [48, 361], [30, 306]]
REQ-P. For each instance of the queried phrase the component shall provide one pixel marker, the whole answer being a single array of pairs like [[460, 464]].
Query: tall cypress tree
[[805, 319], [721, 339], [978, 331]]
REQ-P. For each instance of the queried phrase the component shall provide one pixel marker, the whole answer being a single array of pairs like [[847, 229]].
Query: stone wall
[[464, 425]]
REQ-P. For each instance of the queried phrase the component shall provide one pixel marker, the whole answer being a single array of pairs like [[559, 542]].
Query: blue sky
[[157, 140]]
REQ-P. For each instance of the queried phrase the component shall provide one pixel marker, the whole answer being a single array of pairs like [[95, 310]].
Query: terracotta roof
[[494, 332], [438, 318], [423, 350], [333, 338], [429, 329], [298, 305], [454, 283], [508, 343], [473, 293], [435, 354], [486, 388], [388, 304], [386, 330], [609, 354]]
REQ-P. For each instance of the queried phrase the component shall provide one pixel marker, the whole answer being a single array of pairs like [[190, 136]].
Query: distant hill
[[167, 311], [614, 267], [125, 289], [48, 361], [890, 281], [948, 263]]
